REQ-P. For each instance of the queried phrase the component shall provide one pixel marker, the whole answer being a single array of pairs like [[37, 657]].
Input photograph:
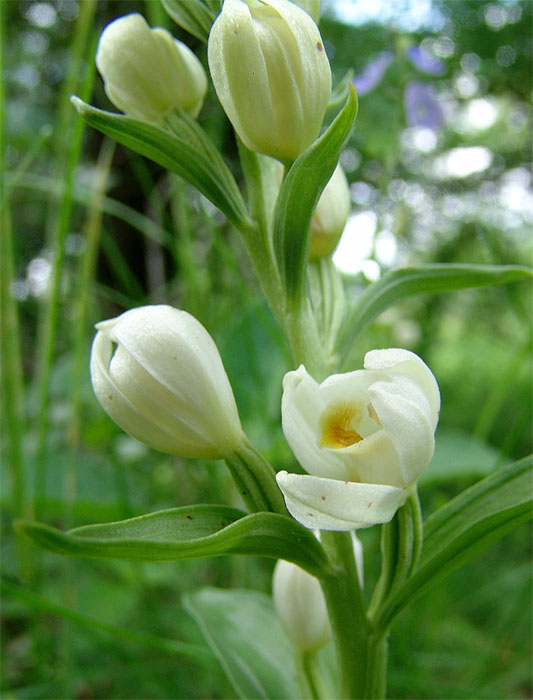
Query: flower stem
[[305, 663], [376, 670], [256, 479], [349, 623]]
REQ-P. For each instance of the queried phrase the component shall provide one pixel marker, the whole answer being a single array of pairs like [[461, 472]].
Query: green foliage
[[464, 527], [299, 194], [257, 666], [187, 151], [187, 533], [195, 16], [404, 283]]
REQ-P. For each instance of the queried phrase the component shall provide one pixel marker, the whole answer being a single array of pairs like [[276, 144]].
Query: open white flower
[[363, 437], [158, 374]]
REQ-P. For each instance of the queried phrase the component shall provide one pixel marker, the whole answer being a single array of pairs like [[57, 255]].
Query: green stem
[[389, 547], [256, 479], [401, 544], [376, 677], [349, 623], [418, 528], [52, 312], [306, 667]]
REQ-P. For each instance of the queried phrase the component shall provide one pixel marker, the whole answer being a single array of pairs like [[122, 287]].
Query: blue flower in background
[[422, 106], [373, 73], [425, 62]]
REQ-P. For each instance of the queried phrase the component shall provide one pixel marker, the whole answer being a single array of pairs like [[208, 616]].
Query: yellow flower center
[[338, 423]]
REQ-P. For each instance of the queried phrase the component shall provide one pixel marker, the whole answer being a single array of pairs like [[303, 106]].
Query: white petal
[[329, 504], [399, 361], [406, 416], [301, 407], [374, 460]]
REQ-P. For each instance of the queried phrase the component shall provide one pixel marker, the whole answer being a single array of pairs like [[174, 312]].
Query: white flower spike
[[164, 383], [147, 72], [363, 437], [271, 74]]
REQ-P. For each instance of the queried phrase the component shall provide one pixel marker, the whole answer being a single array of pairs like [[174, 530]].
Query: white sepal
[[329, 504]]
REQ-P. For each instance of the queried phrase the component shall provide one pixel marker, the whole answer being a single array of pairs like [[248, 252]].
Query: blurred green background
[[440, 171]]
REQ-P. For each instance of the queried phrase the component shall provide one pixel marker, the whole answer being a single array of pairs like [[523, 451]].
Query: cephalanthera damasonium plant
[[361, 436]]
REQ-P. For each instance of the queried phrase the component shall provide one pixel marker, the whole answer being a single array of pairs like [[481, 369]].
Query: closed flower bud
[[301, 607], [147, 72], [363, 437], [158, 374], [271, 74], [330, 217]]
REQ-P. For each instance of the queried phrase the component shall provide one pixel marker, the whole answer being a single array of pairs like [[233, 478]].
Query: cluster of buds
[[270, 71], [363, 437]]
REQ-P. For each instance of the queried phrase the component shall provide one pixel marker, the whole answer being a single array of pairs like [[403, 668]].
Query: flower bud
[[331, 215], [147, 72], [271, 74], [301, 607], [158, 374]]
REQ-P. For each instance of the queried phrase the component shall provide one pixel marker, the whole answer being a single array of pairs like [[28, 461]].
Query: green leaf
[[186, 533], [299, 194], [245, 635], [186, 151], [195, 16], [398, 285], [125, 635], [462, 528], [459, 455]]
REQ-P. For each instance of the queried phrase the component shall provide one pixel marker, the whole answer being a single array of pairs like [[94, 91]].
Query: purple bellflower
[[425, 62], [422, 107], [373, 73]]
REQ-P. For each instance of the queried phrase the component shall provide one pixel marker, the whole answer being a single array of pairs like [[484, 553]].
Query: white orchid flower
[[158, 374], [363, 437]]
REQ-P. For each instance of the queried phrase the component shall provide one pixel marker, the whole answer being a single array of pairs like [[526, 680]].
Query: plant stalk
[[349, 623]]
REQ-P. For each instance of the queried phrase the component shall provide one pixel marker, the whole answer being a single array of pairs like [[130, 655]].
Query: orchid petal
[[330, 504]]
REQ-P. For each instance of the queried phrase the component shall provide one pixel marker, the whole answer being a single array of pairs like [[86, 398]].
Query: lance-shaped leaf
[[244, 633], [462, 528], [195, 16], [299, 194], [189, 532], [425, 279], [186, 151]]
